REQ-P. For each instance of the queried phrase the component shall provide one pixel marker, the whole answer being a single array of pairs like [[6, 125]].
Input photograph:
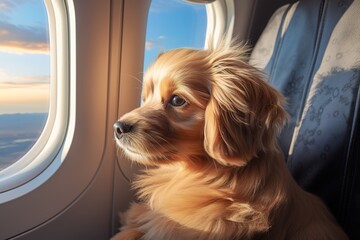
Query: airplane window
[[24, 77], [34, 92], [172, 24]]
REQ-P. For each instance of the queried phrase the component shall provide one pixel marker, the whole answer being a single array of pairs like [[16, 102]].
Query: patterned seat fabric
[[311, 52]]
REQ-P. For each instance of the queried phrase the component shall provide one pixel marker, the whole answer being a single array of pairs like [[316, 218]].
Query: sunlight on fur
[[207, 132]]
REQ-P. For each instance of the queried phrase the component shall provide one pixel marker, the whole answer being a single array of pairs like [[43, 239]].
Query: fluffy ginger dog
[[207, 134]]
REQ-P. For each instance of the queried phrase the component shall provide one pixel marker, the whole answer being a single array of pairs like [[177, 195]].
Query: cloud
[[11, 81], [23, 93], [10, 5], [24, 97], [157, 43], [3, 5], [6, 5], [149, 45], [21, 39], [35, 85]]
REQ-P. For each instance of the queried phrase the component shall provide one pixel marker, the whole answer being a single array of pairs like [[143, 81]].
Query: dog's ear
[[244, 114]]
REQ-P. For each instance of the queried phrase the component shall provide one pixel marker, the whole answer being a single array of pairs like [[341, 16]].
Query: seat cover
[[311, 52]]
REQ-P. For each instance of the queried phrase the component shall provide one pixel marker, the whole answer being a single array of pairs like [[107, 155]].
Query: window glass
[[173, 24], [24, 76]]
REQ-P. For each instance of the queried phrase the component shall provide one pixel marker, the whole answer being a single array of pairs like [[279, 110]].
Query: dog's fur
[[214, 167]]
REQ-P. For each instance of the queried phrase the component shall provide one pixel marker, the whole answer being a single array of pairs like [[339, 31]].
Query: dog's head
[[202, 105]]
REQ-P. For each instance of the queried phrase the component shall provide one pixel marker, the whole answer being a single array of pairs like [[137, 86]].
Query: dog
[[207, 134]]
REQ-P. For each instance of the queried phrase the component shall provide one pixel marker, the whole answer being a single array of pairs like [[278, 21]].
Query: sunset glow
[[24, 57], [24, 98]]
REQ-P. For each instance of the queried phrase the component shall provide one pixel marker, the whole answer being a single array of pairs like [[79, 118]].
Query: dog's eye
[[177, 101]]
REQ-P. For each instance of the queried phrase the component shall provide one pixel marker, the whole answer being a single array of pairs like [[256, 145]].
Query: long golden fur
[[207, 132]]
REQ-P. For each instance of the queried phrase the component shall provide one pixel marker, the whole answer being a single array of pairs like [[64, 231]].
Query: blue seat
[[311, 52]]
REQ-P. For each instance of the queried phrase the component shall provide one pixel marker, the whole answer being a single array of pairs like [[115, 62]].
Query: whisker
[[136, 78]]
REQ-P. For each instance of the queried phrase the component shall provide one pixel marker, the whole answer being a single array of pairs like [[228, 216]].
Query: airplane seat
[[311, 52]]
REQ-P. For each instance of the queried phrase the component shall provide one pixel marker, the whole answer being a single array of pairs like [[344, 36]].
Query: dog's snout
[[121, 128]]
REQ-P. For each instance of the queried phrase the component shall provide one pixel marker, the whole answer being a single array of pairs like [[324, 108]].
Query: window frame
[[47, 154], [220, 21]]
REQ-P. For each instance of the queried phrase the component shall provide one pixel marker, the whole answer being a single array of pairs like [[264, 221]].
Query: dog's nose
[[121, 128]]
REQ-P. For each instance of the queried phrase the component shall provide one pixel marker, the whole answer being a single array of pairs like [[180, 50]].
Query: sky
[[173, 24], [24, 47], [24, 57]]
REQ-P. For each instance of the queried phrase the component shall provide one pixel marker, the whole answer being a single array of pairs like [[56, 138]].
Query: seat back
[[311, 52]]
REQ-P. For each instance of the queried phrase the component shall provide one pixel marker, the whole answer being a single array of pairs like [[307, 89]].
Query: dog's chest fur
[[196, 200]]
